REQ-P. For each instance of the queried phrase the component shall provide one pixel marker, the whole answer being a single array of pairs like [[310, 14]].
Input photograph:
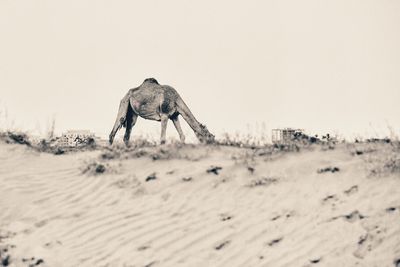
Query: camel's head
[[205, 136], [150, 80]]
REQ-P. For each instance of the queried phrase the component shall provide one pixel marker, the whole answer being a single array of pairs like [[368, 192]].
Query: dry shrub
[[386, 160], [15, 138], [95, 168], [49, 145]]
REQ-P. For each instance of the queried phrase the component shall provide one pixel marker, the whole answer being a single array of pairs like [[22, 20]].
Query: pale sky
[[241, 66]]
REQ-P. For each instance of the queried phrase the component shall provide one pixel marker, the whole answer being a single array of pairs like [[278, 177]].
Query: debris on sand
[[264, 181], [144, 247], [329, 197], [222, 245], [351, 217], [151, 177], [150, 264], [355, 215], [226, 217], [351, 190], [362, 239], [329, 169], [15, 138], [251, 169], [214, 169], [94, 168], [274, 241], [275, 218]]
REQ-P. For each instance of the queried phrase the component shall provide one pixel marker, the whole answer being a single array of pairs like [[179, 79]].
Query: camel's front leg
[[177, 125], [164, 121], [130, 122], [121, 117]]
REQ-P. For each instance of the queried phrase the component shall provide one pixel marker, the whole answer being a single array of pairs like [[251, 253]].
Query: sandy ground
[[161, 207]]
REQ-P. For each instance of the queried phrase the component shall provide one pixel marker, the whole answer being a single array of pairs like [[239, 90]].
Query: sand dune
[[259, 209]]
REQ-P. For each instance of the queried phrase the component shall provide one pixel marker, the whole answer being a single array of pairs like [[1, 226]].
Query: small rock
[[314, 261], [251, 169], [151, 177], [100, 168], [214, 169], [6, 261], [390, 209]]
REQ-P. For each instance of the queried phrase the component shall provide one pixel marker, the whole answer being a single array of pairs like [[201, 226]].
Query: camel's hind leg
[[131, 118], [164, 122], [177, 125]]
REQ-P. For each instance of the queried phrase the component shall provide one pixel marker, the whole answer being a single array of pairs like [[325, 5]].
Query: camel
[[153, 101]]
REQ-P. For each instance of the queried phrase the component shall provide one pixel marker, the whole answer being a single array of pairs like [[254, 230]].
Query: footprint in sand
[[369, 241]]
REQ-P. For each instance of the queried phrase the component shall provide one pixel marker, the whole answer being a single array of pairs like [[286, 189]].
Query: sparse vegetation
[[95, 168]]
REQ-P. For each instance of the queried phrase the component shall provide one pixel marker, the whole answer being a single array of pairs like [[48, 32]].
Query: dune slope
[[198, 206]]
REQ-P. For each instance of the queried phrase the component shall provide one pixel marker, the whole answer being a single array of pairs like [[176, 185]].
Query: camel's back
[[150, 99], [154, 91]]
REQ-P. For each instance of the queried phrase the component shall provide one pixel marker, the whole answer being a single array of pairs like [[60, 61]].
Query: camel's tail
[[199, 129]]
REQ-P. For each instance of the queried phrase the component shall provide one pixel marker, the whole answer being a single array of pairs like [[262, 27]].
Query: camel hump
[[150, 80]]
